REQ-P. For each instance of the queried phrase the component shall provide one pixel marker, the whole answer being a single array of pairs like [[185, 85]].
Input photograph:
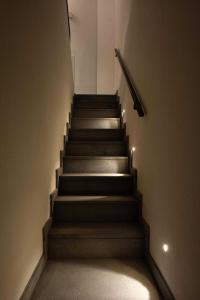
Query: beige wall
[[35, 95], [161, 50]]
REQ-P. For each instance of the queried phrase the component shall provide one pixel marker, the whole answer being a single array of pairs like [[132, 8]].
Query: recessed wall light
[[133, 149], [165, 248]]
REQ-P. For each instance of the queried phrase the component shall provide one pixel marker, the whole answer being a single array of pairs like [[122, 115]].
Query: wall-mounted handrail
[[136, 98], [68, 18]]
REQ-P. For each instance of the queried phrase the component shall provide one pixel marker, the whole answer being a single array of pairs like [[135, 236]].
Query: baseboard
[[156, 273], [45, 232], [159, 278], [59, 172], [53, 196], [28, 291], [160, 281]]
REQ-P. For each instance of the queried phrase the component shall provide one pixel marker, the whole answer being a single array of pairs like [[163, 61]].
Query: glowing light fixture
[[123, 112], [165, 248], [133, 149]]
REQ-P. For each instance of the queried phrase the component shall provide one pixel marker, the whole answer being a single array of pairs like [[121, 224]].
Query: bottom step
[[95, 240]]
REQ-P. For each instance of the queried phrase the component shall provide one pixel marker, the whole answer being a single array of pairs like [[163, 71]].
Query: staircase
[[96, 213]]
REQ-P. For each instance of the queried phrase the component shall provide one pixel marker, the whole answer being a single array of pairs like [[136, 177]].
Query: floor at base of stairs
[[96, 279]]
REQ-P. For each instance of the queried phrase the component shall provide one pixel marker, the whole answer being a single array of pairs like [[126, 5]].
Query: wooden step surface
[[98, 113], [95, 123], [95, 164]]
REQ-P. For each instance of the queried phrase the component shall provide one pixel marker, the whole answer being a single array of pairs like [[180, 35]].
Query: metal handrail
[[136, 98]]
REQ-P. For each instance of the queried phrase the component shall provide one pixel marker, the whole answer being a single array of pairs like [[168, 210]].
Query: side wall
[[159, 41], [35, 95]]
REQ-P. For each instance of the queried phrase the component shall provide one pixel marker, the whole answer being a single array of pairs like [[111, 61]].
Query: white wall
[[122, 16], [84, 44], [93, 41], [105, 48], [35, 96], [161, 49]]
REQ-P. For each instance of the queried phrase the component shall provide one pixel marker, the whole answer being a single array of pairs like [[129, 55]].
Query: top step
[[95, 97], [95, 101]]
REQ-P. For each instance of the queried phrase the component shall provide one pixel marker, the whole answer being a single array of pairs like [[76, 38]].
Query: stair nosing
[[96, 118], [89, 175], [92, 199], [89, 141], [95, 95], [100, 157], [100, 129], [82, 108]]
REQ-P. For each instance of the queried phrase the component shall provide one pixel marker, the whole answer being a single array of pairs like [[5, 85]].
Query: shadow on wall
[[126, 54]]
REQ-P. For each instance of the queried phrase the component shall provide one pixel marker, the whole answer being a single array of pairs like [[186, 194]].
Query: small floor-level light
[[132, 151], [165, 248]]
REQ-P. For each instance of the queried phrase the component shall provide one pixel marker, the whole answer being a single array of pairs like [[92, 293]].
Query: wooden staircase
[[96, 212]]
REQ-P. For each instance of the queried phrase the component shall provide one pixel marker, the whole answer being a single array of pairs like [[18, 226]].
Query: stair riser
[[96, 149], [80, 165], [95, 212], [96, 135], [94, 98], [96, 113], [95, 248], [95, 185], [95, 123], [96, 104]]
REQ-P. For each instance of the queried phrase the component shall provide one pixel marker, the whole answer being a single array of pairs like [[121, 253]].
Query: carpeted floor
[[96, 279]]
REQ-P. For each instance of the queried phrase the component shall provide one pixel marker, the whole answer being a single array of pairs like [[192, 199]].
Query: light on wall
[[165, 248], [123, 113], [133, 149]]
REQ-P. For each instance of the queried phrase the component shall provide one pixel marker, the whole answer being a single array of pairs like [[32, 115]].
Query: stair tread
[[96, 175], [95, 157], [95, 122], [103, 109], [97, 142], [86, 199], [96, 118], [92, 96], [97, 128], [97, 230]]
